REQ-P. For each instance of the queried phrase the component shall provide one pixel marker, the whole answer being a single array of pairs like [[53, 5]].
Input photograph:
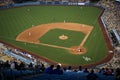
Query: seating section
[[13, 74], [111, 19], [9, 74], [69, 76]]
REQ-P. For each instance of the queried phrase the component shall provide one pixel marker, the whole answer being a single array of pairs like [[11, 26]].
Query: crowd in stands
[[22, 71], [6, 4], [114, 62], [111, 18], [18, 64], [18, 55]]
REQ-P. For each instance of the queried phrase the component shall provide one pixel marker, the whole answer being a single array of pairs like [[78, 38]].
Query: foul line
[[43, 44], [85, 39]]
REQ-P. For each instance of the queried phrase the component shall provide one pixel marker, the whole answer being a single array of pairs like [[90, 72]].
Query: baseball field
[[70, 35]]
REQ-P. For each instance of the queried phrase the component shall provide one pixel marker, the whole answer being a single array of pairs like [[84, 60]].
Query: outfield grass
[[14, 21]]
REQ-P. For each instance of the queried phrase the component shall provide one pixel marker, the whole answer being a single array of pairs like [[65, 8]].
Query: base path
[[33, 34]]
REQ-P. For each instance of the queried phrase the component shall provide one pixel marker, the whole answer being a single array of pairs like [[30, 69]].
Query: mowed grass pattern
[[14, 21], [52, 38]]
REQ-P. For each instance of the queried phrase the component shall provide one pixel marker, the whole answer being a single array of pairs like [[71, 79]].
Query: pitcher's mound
[[63, 37]]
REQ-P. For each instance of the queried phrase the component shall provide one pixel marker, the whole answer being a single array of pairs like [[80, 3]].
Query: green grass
[[14, 21], [52, 37]]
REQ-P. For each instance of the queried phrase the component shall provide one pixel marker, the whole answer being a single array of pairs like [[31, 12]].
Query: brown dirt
[[78, 50], [33, 34]]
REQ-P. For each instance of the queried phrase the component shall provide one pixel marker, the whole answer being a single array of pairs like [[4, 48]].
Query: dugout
[[115, 37]]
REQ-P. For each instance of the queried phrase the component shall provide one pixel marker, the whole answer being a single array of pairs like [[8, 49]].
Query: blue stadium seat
[[56, 2], [42, 2]]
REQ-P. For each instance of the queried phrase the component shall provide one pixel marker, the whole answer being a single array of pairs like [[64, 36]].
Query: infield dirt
[[33, 34]]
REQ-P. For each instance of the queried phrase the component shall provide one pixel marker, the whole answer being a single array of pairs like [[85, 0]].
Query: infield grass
[[14, 21], [52, 38]]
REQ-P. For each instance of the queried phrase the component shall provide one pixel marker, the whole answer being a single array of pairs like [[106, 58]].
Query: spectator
[[6, 64], [42, 68], [69, 69], [49, 70], [108, 72], [80, 69], [30, 65], [58, 70], [16, 64], [117, 74], [86, 70], [12, 66], [102, 71], [64, 69], [1, 64], [22, 66], [92, 76]]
